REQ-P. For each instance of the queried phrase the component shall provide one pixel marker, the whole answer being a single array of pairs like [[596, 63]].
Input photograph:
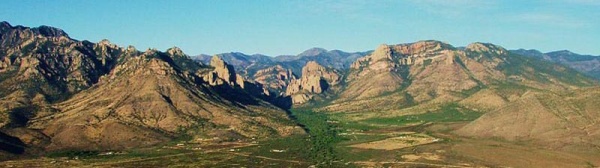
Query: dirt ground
[[402, 141]]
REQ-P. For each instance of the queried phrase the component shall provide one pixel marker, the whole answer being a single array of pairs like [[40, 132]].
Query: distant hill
[[58, 93], [248, 65], [588, 64]]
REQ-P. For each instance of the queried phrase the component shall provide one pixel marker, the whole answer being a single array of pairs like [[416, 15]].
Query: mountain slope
[[147, 100], [132, 99], [587, 64], [429, 72], [41, 65], [554, 119]]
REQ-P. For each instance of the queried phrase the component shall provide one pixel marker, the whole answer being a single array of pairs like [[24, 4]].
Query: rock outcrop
[[315, 79], [223, 73], [275, 78]]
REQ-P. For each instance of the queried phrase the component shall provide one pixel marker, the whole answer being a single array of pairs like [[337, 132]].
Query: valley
[[71, 103], [331, 143]]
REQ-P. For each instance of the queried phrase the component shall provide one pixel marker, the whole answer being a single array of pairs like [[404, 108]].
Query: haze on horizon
[[274, 27]]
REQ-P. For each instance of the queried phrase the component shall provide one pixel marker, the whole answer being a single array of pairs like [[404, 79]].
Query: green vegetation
[[322, 136], [541, 70], [427, 62], [73, 154], [447, 113]]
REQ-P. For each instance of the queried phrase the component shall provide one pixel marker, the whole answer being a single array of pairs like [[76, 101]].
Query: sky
[[288, 27]]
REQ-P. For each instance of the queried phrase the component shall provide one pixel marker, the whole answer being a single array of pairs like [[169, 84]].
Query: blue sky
[[276, 27]]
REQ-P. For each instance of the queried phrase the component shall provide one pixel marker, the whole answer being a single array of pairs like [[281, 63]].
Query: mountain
[[336, 59], [249, 65], [44, 65], [62, 94], [240, 61], [395, 77], [59, 94], [587, 64]]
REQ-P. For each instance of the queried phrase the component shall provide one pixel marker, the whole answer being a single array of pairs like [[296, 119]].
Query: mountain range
[[58, 93]]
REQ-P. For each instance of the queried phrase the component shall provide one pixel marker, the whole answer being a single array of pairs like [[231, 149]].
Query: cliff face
[[315, 79], [223, 73], [276, 78]]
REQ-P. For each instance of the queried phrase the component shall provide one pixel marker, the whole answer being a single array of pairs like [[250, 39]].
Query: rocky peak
[[5, 25], [223, 73], [49, 31], [104, 42], [175, 51], [381, 59], [312, 68], [218, 63], [315, 79], [107, 43], [151, 51], [382, 52], [422, 48], [486, 48], [131, 51], [131, 48]]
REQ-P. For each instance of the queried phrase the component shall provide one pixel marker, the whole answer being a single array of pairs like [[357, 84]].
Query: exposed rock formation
[[57, 93], [315, 79], [433, 71], [149, 92], [223, 74], [275, 78], [249, 65]]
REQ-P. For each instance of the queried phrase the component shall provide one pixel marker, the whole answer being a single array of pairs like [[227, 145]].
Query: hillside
[[249, 65], [556, 120], [423, 104], [586, 64], [89, 96], [432, 72]]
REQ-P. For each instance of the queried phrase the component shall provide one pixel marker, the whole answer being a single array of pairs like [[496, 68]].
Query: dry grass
[[400, 142]]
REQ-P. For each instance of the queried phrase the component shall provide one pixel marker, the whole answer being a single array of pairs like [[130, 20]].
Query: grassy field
[[447, 113], [422, 140]]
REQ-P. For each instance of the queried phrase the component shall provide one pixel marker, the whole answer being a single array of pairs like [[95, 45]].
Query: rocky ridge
[[87, 96]]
